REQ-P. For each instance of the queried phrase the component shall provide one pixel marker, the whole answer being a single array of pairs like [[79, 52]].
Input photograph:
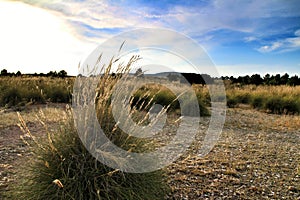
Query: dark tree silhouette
[[62, 74], [256, 79], [284, 79], [4, 72], [139, 73], [294, 80], [18, 73]]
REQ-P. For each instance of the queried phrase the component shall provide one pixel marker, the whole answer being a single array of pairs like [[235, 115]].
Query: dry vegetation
[[18, 92], [273, 99], [257, 156]]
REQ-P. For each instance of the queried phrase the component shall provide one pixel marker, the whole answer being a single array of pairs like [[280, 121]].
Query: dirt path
[[257, 157], [11, 149]]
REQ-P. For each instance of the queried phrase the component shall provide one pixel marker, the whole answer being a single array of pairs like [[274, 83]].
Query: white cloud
[[269, 48], [241, 16], [97, 15], [250, 39], [284, 45]]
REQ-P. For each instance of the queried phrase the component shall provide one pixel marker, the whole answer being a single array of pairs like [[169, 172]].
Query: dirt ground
[[257, 156]]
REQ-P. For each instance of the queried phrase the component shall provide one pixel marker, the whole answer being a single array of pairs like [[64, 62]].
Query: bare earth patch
[[12, 148], [257, 157]]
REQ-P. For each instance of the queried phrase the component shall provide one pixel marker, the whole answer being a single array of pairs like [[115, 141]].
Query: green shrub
[[58, 95], [232, 101], [290, 106], [258, 102], [35, 96], [274, 104], [10, 96], [243, 98]]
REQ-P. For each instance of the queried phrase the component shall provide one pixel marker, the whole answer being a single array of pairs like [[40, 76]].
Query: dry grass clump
[[61, 167]]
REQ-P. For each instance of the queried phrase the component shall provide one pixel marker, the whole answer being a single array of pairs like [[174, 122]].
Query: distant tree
[[277, 79], [224, 78], [284, 79], [243, 80], [4, 72], [139, 73], [294, 80], [18, 73], [52, 74], [267, 79], [256, 79], [233, 79], [62, 74]]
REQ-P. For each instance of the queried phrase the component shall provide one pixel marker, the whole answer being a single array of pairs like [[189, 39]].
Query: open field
[[257, 156]]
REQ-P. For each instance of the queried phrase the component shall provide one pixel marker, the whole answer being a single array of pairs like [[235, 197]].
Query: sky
[[240, 36]]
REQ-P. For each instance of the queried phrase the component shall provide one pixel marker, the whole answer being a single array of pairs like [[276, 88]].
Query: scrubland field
[[41, 156]]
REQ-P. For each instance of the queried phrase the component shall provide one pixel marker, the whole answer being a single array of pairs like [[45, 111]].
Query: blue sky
[[241, 37]]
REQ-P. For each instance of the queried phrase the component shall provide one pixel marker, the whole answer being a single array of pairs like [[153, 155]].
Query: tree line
[[192, 78], [268, 79], [60, 74]]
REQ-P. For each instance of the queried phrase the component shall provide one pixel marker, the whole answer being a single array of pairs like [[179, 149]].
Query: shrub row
[[19, 91], [273, 99], [149, 95]]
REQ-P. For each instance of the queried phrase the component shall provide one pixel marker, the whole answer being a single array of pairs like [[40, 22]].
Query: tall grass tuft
[[61, 167]]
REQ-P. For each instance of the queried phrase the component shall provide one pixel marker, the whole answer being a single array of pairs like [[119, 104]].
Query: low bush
[[232, 101], [58, 94], [257, 102], [10, 96]]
